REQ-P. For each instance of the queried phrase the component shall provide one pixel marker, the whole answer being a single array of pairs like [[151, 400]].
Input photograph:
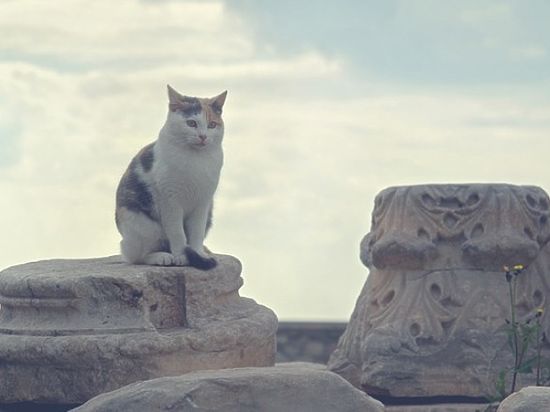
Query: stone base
[[72, 329]]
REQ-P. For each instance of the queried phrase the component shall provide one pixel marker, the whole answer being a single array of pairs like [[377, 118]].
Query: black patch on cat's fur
[[209, 220], [147, 157], [134, 195], [198, 261], [187, 99], [191, 107]]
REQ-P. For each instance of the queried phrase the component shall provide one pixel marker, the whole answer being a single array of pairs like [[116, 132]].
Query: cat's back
[[135, 191]]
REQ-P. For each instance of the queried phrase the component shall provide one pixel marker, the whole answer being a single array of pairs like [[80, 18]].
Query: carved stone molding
[[430, 320]]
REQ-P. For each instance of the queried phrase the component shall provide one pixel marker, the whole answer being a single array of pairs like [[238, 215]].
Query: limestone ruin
[[72, 329], [430, 320]]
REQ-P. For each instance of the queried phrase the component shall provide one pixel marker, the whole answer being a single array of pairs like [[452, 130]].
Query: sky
[[329, 103]]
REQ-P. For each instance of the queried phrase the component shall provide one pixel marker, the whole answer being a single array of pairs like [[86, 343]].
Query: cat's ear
[[173, 95], [218, 101], [177, 101]]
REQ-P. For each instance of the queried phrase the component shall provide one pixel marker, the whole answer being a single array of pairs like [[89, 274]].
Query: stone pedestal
[[72, 329], [430, 320]]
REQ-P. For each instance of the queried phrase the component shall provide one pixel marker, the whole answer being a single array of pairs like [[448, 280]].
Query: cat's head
[[195, 122]]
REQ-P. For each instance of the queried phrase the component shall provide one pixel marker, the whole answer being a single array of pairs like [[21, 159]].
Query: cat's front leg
[[195, 228], [171, 219]]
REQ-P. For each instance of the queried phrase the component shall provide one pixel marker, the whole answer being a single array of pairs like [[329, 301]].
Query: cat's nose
[[202, 137]]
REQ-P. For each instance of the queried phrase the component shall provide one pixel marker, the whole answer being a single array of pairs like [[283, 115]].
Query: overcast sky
[[329, 102]]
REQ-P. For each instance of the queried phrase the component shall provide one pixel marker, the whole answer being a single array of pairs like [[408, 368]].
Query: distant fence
[[307, 341]]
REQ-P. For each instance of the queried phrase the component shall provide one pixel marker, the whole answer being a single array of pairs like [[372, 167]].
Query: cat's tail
[[199, 261]]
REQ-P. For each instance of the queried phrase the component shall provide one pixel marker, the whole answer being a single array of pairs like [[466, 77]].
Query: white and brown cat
[[164, 200]]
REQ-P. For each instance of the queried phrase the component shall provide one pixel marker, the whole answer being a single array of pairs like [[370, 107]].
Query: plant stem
[[512, 290], [539, 348]]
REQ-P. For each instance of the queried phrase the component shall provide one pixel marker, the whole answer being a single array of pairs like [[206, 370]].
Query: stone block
[[72, 329]]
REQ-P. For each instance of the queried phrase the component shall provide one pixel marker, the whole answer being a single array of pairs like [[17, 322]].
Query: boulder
[[529, 399], [300, 388]]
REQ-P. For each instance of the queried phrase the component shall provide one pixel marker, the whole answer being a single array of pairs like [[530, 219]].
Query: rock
[[72, 329], [430, 320], [529, 399], [300, 388]]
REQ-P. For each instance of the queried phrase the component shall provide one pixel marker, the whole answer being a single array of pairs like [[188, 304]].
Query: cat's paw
[[159, 259], [181, 260], [199, 260]]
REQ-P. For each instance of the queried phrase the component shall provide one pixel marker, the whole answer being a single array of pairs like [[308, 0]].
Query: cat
[[164, 199]]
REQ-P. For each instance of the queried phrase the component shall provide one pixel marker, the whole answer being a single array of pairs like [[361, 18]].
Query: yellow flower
[[518, 267], [539, 311]]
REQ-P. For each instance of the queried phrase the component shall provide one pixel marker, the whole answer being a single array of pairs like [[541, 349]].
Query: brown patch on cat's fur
[[213, 108]]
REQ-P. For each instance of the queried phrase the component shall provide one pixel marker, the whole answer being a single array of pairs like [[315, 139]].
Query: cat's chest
[[188, 180]]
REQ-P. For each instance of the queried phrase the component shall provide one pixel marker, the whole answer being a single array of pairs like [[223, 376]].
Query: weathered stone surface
[[71, 329], [430, 320], [299, 387], [530, 399]]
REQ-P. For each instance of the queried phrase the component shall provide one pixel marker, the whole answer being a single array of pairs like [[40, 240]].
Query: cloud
[[102, 31], [488, 12], [530, 52], [309, 141], [79, 128], [307, 186]]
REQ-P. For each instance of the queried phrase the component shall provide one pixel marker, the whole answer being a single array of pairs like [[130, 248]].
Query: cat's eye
[[191, 123], [212, 125]]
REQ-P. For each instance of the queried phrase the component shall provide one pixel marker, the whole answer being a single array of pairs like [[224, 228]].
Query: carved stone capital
[[430, 320]]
